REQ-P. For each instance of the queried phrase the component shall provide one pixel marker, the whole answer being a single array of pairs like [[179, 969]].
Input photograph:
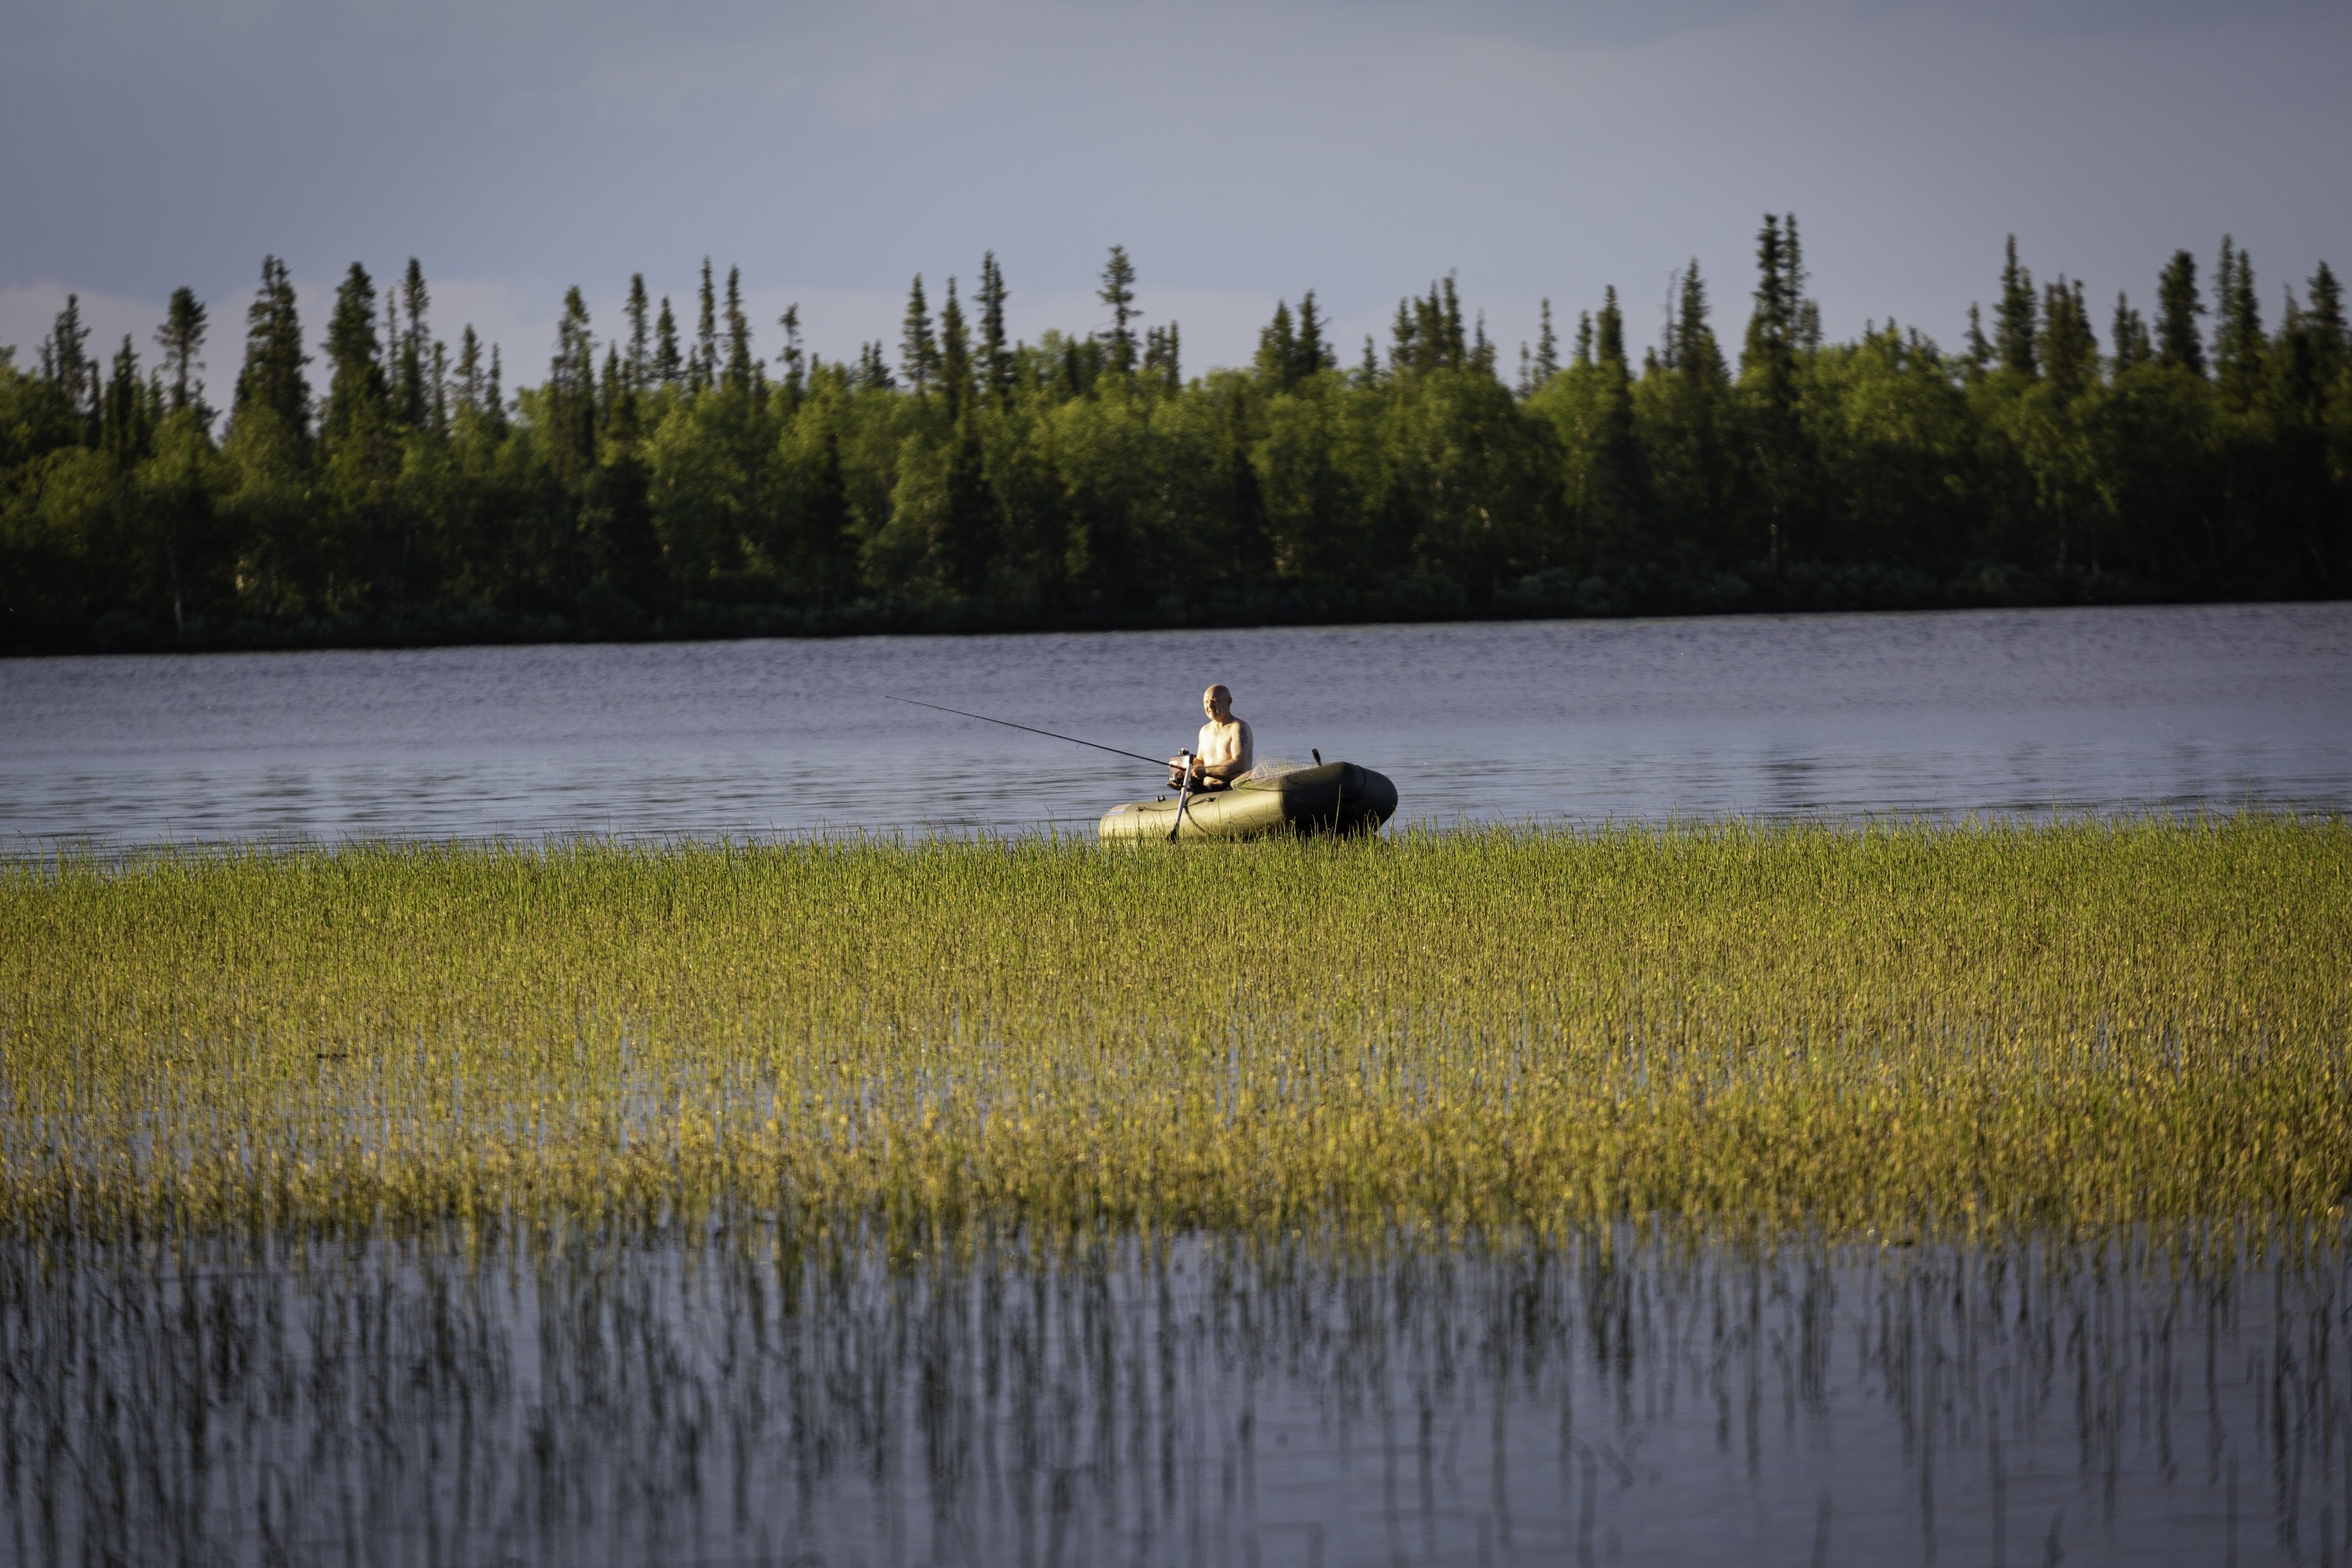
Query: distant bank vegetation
[[662, 482], [1964, 1032]]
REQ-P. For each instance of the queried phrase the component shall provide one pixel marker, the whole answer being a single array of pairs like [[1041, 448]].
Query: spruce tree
[[1457, 346], [1311, 356], [1277, 349], [2324, 309], [1404, 338], [1614, 486], [471, 390], [1697, 354], [1163, 358], [955, 355], [995, 353], [640, 361], [1977, 351], [1584, 351], [1118, 292], [795, 358], [180, 338], [1770, 348], [2130, 332], [2014, 319], [743, 373], [703, 373], [2179, 342], [1768, 377], [1804, 311], [126, 427], [669, 363], [413, 399], [1547, 361], [570, 391], [918, 350], [356, 388], [2067, 347], [2323, 323], [2238, 341], [67, 367], [1610, 334]]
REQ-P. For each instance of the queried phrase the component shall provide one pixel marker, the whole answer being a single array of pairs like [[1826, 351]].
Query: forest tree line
[[378, 486]]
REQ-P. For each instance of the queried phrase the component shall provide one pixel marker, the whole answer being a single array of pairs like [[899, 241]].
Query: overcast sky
[[1240, 152]]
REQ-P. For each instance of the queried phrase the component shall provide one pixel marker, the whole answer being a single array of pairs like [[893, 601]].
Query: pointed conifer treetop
[[180, 339], [1610, 330], [919, 349], [1769, 353], [126, 423], [356, 388], [2238, 339], [793, 358], [2179, 342], [955, 355], [640, 360], [743, 374], [1277, 349], [1163, 354], [65, 352], [996, 366], [1547, 356], [702, 373], [1696, 353], [1118, 292], [2014, 318], [1313, 356], [669, 359], [2323, 309], [2129, 334], [469, 372], [2067, 348]]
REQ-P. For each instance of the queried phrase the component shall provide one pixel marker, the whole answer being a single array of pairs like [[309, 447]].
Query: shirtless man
[[1225, 751]]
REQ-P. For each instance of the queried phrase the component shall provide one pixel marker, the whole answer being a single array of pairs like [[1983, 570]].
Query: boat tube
[[1336, 797]]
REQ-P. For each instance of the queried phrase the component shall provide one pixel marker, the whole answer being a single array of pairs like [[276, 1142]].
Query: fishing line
[[1114, 751]]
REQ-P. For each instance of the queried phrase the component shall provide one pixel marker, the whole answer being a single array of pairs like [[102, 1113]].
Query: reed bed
[[1908, 1031]]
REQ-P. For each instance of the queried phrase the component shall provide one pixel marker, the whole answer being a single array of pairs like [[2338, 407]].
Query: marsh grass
[[1902, 1030]]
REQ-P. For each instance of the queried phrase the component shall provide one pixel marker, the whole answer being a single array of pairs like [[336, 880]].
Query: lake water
[[1610, 1397], [1999, 711]]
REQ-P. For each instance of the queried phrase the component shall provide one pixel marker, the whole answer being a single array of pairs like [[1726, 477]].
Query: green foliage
[[1977, 1031], [1084, 480]]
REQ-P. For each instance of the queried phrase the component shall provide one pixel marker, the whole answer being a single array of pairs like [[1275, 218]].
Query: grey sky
[[1241, 153]]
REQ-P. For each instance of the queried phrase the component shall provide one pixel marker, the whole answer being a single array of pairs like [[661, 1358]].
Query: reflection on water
[[1618, 1397], [1814, 716]]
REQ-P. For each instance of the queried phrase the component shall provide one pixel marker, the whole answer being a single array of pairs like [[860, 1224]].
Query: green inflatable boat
[[1335, 797]]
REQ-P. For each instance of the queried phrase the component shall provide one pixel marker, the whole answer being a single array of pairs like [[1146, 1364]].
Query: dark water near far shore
[[2110, 709]]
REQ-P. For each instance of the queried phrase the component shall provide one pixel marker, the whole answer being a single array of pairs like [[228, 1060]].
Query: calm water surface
[[1607, 1399], [2024, 712]]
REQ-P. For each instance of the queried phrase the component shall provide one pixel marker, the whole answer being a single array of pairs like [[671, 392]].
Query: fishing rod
[[1114, 751]]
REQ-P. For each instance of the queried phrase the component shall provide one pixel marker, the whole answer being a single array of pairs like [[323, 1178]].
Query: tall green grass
[[1956, 1031]]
